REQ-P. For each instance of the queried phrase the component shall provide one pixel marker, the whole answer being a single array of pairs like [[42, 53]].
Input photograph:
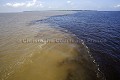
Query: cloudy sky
[[29, 5]]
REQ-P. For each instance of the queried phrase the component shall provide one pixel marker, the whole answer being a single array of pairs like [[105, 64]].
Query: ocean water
[[31, 50], [100, 30]]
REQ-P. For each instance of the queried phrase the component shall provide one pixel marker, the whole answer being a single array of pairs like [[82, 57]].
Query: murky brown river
[[34, 52]]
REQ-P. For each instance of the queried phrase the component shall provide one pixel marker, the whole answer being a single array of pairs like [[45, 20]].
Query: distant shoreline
[[56, 10]]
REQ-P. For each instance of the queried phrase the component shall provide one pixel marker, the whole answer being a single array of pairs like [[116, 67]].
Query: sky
[[37, 5]]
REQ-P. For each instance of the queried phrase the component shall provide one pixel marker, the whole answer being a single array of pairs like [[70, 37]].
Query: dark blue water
[[100, 32]]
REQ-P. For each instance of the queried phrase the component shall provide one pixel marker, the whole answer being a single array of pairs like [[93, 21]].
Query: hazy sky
[[26, 5]]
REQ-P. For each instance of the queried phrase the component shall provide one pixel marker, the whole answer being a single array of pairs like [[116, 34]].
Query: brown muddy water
[[36, 52]]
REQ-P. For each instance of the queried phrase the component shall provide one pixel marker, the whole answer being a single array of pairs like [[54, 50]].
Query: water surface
[[100, 30], [24, 55]]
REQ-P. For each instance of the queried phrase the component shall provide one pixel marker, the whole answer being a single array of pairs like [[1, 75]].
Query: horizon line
[[54, 10]]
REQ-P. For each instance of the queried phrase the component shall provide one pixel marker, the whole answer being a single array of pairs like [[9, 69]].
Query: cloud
[[117, 6], [15, 4], [33, 3], [68, 2]]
